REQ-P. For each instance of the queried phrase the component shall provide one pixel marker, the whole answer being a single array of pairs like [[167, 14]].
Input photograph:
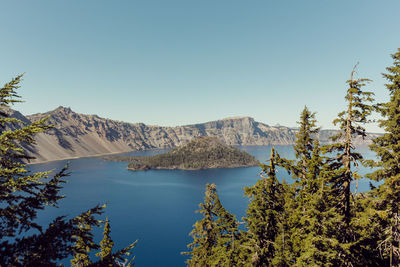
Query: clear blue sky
[[174, 62]]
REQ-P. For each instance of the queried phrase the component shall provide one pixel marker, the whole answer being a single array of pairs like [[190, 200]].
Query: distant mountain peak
[[63, 109], [238, 118]]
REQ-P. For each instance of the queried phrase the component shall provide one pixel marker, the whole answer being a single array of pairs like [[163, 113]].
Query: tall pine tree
[[387, 149], [304, 146], [23, 194], [84, 243], [307, 209], [349, 121], [214, 236], [106, 246], [264, 215], [342, 160], [107, 257]]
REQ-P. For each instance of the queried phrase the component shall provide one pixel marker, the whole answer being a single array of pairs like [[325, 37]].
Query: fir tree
[[305, 141], [305, 169], [22, 194], [84, 238], [214, 236], [107, 257], [340, 171], [350, 123], [307, 166], [387, 149], [284, 242], [314, 245], [264, 215], [106, 246], [305, 205]]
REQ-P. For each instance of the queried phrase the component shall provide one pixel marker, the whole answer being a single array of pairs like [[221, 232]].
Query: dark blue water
[[157, 207]]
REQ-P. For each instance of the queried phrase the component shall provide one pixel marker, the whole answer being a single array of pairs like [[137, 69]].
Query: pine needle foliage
[[350, 122], [84, 238], [387, 149], [264, 214], [343, 162], [306, 209], [215, 237], [317, 220], [107, 257], [23, 194], [106, 245]]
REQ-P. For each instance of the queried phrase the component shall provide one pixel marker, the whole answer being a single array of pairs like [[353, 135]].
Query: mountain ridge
[[83, 135]]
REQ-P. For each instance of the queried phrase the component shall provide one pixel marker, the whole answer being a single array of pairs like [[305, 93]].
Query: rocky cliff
[[78, 135]]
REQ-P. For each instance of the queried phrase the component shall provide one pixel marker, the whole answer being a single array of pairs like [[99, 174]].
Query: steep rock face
[[78, 135], [245, 131]]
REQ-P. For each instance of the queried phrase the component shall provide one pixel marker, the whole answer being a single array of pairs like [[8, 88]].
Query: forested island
[[200, 153]]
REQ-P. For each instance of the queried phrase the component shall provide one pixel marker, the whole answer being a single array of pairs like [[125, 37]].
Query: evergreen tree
[[305, 206], [349, 121], [284, 242], [368, 226], [340, 172], [214, 236], [106, 245], [84, 239], [18, 211], [305, 141], [314, 245], [387, 149], [107, 257], [306, 168], [264, 214], [22, 194]]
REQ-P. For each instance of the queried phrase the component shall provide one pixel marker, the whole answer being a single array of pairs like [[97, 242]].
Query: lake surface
[[157, 207]]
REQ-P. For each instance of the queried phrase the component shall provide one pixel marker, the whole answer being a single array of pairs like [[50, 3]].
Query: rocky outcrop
[[79, 135]]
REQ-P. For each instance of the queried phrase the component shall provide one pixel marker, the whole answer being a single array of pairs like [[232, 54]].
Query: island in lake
[[200, 153]]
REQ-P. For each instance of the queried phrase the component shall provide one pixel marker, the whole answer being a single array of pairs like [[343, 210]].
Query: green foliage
[[22, 194], [264, 214], [107, 257], [349, 121], [84, 238], [344, 224], [305, 137], [216, 238], [306, 206], [106, 245], [387, 149], [317, 220]]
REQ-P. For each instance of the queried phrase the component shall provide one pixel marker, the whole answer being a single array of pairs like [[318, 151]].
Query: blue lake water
[[157, 207]]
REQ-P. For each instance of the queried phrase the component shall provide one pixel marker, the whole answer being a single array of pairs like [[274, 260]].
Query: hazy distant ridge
[[78, 135]]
